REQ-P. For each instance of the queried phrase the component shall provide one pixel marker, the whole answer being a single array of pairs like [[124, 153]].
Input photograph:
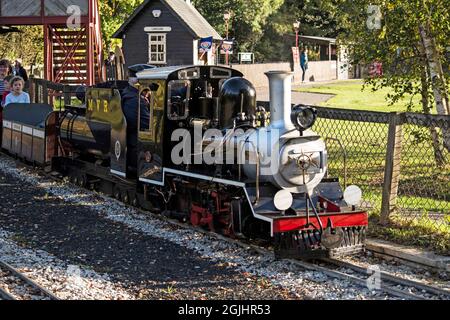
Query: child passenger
[[17, 95]]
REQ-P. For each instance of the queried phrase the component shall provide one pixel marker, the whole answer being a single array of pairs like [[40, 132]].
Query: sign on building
[[246, 57]]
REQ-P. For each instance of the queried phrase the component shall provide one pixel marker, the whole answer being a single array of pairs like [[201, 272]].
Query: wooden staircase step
[[67, 33], [77, 60], [79, 44], [63, 54]]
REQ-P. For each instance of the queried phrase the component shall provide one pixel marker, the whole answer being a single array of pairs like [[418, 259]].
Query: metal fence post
[[392, 170], [67, 96], [45, 92], [32, 89], [38, 91]]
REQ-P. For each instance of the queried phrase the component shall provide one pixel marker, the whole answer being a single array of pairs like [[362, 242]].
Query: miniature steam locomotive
[[210, 155]]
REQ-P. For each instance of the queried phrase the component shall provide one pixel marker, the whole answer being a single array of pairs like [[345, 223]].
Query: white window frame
[[157, 43]]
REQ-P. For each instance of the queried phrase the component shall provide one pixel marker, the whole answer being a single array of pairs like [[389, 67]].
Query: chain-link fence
[[400, 161], [356, 143], [424, 180]]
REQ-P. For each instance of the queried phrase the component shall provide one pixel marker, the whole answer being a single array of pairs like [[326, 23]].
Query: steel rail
[[28, 281], [388, 277], [5, 295]]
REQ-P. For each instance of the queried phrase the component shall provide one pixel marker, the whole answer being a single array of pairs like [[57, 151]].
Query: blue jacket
[[303, 59], [130, 105]]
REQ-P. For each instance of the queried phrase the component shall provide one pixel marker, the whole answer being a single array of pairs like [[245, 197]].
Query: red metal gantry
[[72, 44]]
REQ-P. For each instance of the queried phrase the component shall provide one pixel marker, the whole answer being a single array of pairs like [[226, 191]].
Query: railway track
[[388, 278], [14, 285], [390, 284]]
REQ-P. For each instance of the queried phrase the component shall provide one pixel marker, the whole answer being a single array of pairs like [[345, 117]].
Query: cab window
[[178, 99], [145, 94]]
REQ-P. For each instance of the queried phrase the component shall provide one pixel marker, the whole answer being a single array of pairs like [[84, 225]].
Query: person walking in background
[[110, 64], [20, 71], [304, 62], [17, 95]]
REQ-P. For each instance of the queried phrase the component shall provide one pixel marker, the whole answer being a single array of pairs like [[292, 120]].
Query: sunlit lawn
[[349, 94]]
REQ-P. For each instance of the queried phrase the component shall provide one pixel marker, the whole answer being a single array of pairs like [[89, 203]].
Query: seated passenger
[[146, 94], [17, 94], [180, 90], [179, 93]]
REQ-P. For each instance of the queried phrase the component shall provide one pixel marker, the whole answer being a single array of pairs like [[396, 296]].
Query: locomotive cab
[[179, 97]]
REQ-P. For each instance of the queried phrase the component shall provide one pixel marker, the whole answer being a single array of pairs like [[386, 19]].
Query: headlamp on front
[[303, 117]]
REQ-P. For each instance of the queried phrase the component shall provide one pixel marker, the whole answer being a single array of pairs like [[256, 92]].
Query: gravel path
[[81, 245]]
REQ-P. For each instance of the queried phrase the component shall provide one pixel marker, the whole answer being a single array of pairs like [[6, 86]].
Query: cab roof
[[166, 73]]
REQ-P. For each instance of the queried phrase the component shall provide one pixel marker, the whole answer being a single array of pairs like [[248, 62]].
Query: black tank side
[[237, 95]]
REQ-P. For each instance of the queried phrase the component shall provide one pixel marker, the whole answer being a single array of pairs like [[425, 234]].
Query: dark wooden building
[[165, 33]]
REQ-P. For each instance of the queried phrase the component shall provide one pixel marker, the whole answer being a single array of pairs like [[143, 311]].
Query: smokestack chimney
[[280, 83]]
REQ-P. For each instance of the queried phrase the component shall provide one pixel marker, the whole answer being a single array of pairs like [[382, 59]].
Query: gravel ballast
[[81, 245]]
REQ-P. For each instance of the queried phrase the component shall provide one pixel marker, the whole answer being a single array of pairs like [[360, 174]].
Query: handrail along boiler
[[270, 185]]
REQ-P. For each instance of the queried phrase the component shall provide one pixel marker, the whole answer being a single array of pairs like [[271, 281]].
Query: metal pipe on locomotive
[[274, 186]]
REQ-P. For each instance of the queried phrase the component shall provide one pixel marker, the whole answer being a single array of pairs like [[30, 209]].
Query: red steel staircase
[[72, 53]]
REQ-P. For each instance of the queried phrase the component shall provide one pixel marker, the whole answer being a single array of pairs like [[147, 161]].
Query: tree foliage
[[392, 38], [248, 22], [410, 38], [279, 35], [113, 14], [26, 45]]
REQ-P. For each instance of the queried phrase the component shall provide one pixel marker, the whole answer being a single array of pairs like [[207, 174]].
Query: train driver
[[130, 106]]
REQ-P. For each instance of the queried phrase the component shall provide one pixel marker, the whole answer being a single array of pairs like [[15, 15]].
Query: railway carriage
[[209, 155]]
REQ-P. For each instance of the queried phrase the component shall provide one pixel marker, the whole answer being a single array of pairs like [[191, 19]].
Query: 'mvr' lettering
[[91, 105]]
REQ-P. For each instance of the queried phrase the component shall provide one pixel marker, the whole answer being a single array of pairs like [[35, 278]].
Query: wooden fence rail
[[44, 91]]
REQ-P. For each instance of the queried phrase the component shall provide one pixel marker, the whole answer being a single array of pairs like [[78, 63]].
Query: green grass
[[419, 233], [350, 95], [58, 104], [422, 215]]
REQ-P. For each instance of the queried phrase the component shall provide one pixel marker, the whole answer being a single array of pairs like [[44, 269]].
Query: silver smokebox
[[291, 160], [280, 84]]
